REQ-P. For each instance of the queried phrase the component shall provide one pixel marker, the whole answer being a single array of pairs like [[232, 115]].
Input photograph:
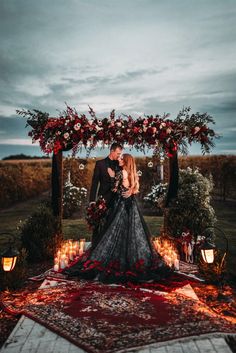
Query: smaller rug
[[103, 318]]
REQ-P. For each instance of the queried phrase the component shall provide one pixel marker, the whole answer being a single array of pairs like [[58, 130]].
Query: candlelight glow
[[68, 252], [208, 255], [167, 250]]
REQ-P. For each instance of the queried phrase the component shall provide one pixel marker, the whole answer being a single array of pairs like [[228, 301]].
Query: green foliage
[[39, 234], [221, 167], [192, 207], [190, 121], [15, 278]]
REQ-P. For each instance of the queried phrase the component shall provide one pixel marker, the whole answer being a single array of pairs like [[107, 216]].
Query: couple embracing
[[122, 249]]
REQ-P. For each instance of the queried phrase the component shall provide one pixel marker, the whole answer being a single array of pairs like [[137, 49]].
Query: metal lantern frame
[[213, 228], [10, 253]]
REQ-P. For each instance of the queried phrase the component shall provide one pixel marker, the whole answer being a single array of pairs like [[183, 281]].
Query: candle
[[166, 259], [71, 255], [82, 244], [62, 261], [56, 267], [62, 264], [176, 264], [76, 248]]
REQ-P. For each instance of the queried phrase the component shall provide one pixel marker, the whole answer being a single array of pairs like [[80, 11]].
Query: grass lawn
[[77, 228], [11, 217], [226, 215]]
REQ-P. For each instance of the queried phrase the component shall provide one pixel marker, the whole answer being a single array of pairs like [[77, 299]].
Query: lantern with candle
[[9, 256], [208, 249], [213, 255]]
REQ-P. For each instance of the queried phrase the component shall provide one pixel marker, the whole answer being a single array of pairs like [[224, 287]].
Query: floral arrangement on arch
[[72, 130]]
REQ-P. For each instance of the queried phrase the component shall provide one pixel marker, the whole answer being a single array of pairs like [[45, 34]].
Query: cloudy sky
[[137, 56]]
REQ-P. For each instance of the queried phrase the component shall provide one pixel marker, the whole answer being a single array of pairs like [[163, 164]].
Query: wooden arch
[[72, 130]]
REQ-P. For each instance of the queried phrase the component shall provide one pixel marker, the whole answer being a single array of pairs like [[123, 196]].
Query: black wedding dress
[[124, 251]]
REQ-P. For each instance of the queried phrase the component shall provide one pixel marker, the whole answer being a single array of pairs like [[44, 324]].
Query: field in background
[[22, 180]]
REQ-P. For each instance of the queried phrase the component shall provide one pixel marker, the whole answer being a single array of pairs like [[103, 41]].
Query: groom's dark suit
[[102, 183]]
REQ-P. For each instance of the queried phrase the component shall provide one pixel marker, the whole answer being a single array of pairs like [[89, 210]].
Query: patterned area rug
[[111, 318]]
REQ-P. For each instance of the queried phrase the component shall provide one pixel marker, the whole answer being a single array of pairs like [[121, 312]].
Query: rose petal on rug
[[104, 318]]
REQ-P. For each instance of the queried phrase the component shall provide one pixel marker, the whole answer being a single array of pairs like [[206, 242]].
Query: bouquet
[[95, 212]]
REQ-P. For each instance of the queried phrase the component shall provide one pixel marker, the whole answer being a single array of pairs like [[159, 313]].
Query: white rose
[[77, 126]]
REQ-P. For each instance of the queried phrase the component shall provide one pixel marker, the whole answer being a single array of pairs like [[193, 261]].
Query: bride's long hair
[[130, 167]]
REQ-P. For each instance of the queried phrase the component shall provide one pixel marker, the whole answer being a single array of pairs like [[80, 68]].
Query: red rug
[[102, 318]]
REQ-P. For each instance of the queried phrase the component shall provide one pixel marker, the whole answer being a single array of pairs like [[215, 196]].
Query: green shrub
[[39, 234], [191, 209]]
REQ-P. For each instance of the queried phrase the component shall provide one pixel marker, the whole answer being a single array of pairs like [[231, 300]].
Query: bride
[[124, 251]]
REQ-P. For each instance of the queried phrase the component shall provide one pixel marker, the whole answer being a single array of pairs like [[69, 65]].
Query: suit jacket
[[102, 183]]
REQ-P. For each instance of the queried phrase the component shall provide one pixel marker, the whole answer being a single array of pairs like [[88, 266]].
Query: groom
[[102, 182]]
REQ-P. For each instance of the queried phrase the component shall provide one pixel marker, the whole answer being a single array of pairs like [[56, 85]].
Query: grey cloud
[[65, 45], [128, 75], [223, 107], [13, 127]]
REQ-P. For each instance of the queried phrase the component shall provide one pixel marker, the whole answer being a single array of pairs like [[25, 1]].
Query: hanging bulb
[[81, 166]]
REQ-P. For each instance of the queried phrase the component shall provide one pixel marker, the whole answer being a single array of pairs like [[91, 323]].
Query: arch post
[[57, 186], [173, 186]]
